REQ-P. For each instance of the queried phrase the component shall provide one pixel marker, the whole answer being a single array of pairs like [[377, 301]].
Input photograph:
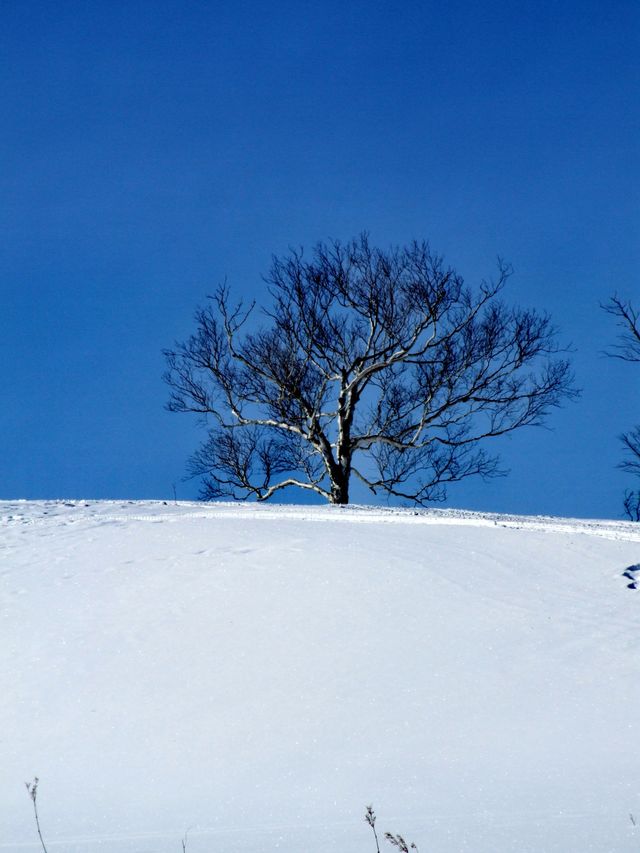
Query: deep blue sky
[[149, 149]]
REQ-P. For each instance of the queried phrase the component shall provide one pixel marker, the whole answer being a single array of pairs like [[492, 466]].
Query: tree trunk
[[340, 491]]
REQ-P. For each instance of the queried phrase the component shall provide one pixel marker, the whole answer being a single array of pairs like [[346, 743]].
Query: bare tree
[[376, 364], [628, 349], [628, 320], [631, 504]]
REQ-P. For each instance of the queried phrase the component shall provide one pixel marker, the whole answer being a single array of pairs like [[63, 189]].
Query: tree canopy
[[376, 364]]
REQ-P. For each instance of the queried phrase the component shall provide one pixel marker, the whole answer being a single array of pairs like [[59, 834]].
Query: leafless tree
[[628, 349], [631, 504], [628, 320], [376, 364]]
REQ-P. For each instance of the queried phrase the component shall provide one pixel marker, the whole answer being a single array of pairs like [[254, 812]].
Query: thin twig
[[32, 788], [370, 818]]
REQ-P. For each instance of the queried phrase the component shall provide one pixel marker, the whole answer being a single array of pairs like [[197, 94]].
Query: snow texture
[[259, 674]]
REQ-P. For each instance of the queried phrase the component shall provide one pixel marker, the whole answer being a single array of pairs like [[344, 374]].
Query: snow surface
[[259, 674]]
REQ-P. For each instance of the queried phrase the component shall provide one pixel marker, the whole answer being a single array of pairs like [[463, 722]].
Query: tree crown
[[376, 364]]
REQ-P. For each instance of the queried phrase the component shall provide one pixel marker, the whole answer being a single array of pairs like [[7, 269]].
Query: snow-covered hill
[[258, 675]]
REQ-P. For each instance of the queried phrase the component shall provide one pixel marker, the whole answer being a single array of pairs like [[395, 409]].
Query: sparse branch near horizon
[[628, 349]]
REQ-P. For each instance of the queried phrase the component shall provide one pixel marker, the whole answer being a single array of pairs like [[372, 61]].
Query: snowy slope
[[260, 674]]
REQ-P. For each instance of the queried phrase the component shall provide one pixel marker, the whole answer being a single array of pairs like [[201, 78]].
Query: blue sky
[[149, 149]]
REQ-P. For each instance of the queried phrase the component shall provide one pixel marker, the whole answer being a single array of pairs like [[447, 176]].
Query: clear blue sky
[[149, 149]]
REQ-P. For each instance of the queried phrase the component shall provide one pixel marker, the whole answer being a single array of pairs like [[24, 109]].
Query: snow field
[[260, 674]]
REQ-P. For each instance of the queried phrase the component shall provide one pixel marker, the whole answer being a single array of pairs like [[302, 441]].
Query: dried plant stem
[[370, 818], [32, 789]]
